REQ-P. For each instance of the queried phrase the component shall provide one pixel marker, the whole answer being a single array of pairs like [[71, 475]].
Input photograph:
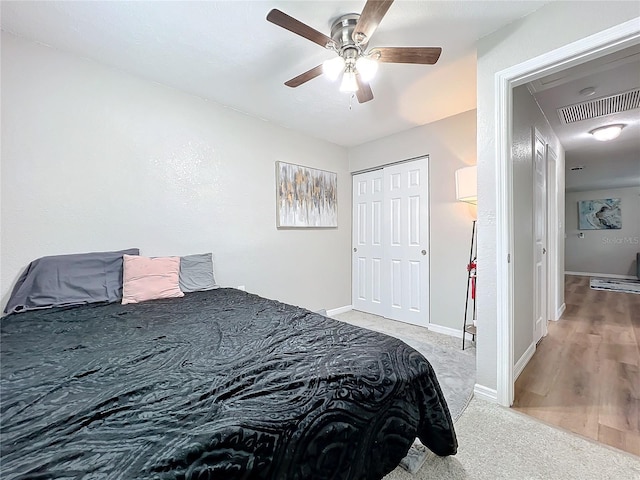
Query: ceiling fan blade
[[369, 20], [285, 21], [304, 77], [364, 92], [421, 55]]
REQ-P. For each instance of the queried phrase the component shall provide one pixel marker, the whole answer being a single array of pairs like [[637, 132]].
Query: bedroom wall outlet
[[241, 287]]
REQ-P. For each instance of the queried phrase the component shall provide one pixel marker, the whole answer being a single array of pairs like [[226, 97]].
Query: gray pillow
[[196, 273], [63, 280]]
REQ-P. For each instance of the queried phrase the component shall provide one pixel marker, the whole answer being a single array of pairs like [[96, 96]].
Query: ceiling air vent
[[599, 107]]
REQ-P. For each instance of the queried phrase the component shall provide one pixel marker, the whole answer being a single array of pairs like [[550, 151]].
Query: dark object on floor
[[218, 384], [615, 285]]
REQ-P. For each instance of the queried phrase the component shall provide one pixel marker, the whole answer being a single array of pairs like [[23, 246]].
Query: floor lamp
[[466, 191]]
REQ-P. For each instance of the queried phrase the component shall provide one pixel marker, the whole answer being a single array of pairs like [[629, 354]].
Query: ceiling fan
[[350, 35]]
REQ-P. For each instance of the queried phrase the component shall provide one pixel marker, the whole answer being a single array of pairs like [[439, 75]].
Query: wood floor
[[585, 374]]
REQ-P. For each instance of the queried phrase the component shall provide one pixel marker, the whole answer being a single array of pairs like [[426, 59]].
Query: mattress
[[219, 384]]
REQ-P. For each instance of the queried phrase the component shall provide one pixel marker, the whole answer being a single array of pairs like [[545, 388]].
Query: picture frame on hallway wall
[[603, 214], [306, 197]]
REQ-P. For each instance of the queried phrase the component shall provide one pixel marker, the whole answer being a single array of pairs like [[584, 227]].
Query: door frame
[[552, 232], [602, 43]]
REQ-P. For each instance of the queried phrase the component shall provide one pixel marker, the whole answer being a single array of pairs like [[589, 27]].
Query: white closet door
[[391, 242], [406, 242], [367, 295]]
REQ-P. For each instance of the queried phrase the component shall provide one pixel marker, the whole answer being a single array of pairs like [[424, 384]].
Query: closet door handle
[[424, 252]]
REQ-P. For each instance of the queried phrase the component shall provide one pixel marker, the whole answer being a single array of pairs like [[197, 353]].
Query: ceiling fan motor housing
[[342, 35]]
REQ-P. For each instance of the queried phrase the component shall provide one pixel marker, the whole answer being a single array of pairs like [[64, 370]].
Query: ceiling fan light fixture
[[367, 68], [350, 36], [333, 68], [349, 82], [608, 132]]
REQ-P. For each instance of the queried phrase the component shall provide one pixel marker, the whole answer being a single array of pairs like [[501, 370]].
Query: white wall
[[611, 252], [527, 116], [95, 159], [552, 26], [450, 144]]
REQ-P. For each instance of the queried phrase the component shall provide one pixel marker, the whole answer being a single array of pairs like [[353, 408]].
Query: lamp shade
[[349, 82], [367, 68], [467, 185], [333, 68]]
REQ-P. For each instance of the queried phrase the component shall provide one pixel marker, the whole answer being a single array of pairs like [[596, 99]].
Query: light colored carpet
[[499, 443]]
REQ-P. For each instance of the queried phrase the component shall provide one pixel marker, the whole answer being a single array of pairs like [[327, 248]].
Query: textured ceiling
[[612, 164], [228, 53]]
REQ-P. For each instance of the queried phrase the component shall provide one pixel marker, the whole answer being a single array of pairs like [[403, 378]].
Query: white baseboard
[[445, 330], [522, 362], [560, 311], [485, 393], [339, 310], [603, 275]]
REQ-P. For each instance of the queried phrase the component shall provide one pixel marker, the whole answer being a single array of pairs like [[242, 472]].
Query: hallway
[[585, 374]]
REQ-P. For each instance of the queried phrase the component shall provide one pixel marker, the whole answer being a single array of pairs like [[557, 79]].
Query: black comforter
[[220, 384]]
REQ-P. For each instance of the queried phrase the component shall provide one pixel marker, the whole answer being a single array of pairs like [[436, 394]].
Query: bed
[[217, 384]]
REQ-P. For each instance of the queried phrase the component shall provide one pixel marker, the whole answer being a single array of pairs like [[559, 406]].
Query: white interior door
[[367, 242], [390, 261], [540, 239], [406, 259]]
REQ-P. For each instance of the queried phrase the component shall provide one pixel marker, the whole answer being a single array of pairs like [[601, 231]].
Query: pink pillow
[[147, 278]]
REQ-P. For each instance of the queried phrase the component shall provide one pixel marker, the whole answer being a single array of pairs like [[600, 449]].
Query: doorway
[[597, 45]]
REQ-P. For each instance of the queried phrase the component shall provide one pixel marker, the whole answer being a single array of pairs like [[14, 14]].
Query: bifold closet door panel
[[406, 242], [367, 294]]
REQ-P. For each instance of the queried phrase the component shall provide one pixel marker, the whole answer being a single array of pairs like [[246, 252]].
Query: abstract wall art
[[306, 197], [602, 214]]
